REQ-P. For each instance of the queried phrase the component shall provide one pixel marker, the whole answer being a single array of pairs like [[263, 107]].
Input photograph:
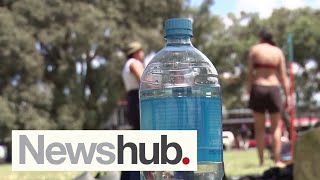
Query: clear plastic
[[180, 90]]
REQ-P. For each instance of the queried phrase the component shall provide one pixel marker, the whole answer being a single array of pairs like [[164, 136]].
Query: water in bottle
[[180, 90]]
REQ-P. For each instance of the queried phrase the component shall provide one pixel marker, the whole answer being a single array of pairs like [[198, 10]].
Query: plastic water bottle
[[180, 90]]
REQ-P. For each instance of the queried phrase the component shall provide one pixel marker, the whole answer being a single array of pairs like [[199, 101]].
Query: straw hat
[[133, 47]]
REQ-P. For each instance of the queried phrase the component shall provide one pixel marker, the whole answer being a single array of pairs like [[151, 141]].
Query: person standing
[[131, 75], [266, 73]]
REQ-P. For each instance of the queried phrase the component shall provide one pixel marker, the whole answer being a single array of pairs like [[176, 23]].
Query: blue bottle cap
[[178, 26]]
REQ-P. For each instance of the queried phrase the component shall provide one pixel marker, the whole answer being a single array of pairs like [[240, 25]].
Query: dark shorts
[[265, 98], [133, 109]]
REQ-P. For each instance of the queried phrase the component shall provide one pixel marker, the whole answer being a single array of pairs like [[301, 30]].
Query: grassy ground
[[240, 163], [237, 163], [7, 174]]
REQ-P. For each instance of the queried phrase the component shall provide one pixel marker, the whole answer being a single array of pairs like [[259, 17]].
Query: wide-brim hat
[[133, 47]]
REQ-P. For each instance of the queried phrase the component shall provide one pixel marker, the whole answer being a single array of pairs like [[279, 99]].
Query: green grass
[[240, 163], [237, 163], [7, 174]]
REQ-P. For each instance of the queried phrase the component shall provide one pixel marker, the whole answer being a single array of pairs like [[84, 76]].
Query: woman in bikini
[[266, 73]]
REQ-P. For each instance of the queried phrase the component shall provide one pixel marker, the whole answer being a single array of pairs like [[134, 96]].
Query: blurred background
[[61, 61]]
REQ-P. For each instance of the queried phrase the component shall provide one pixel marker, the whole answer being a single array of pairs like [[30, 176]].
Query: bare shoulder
[[254, 47], [260, 48], [136, 64], [266, 47], [278, 51], [253, 50]]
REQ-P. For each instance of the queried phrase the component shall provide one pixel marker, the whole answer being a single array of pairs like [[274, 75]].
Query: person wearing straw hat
[[131, 74]]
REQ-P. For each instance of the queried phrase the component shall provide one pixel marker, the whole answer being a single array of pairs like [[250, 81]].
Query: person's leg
[[274, 108], [276, 135], [133, 118], [259, 121]]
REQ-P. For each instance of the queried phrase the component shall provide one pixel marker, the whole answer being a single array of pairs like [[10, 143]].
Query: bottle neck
[[178, 40]]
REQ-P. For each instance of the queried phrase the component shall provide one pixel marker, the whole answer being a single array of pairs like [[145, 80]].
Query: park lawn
[[237, 163], [7, 174], [240, 163]]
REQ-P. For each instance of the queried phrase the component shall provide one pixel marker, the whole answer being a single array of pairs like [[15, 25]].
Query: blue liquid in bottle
[[180, 91]]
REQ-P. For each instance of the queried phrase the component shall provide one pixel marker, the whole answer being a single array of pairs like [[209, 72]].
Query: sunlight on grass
[[7, 174], [239, 163]]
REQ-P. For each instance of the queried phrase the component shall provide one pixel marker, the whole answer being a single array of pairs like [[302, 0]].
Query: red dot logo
[[185, 160]]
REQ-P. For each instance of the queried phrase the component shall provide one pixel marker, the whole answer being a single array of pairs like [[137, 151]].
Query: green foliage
[[304, 25], [61, 61], [227, 47]]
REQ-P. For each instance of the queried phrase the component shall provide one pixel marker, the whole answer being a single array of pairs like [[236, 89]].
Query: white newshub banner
[[104, 150]]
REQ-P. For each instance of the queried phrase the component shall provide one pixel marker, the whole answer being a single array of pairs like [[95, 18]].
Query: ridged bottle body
[[180, 91]]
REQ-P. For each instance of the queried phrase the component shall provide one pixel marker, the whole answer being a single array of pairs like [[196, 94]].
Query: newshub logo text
[[102, 150]]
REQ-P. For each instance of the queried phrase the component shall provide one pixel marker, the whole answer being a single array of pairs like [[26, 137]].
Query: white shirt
[[130, 80]]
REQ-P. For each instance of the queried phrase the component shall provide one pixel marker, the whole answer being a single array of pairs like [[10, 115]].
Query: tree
[[61, 60], [227, 47], [304, 25]]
